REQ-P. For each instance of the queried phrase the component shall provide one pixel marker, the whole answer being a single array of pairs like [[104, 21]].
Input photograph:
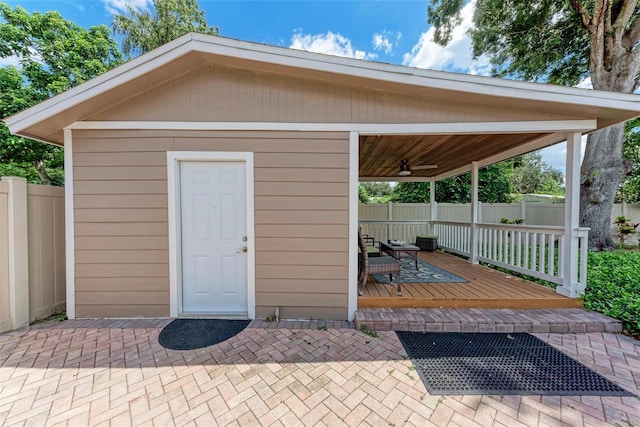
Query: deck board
[[486, 288]]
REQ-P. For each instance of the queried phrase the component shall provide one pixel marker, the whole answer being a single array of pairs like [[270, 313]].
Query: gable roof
[[46, 120]]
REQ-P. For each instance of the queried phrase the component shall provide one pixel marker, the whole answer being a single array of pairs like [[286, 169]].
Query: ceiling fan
[[405, 169]]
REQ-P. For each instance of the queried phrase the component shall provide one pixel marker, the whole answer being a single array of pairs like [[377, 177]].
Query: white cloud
[[456, 56], [330, 44], [117, 7], [383, 41]]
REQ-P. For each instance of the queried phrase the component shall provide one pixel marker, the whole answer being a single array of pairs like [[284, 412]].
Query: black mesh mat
[[490, 363]]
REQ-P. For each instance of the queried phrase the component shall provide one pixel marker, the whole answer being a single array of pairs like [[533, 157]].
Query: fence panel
[[544, 214], [410, 212], [45, 207], [373, 211], [453, 212], [5, 310]]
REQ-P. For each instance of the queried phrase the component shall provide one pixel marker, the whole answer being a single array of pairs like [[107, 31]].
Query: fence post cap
[[13, 178]]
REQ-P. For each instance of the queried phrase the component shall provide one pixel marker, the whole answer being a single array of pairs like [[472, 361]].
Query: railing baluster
[[519, 250], [541, 266], [552, 257]]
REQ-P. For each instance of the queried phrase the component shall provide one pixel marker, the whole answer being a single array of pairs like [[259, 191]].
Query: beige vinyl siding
[[211, 93], [121, 221]]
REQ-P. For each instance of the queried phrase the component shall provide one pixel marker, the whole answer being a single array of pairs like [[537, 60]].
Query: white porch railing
[[536, 251]]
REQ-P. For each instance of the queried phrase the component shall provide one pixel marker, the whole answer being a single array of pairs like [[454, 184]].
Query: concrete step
[[561, 320]]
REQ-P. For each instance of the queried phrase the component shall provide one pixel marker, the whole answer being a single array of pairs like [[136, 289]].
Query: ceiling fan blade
[[419, 167]]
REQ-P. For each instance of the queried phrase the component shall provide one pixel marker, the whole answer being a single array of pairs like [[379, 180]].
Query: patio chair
[[373, 250], [379, 265]]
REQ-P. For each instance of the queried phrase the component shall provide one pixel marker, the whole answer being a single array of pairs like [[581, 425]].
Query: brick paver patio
[[67, 374]]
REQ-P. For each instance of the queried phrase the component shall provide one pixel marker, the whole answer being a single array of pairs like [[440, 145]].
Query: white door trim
[[173, 191]]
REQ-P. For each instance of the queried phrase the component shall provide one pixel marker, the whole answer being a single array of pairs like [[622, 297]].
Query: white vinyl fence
[[418, 215]]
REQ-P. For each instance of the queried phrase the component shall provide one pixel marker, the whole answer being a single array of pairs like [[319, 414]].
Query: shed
[[216, 177]]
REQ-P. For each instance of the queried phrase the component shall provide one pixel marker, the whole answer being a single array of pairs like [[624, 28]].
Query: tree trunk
[[45, 179], [602, 169]]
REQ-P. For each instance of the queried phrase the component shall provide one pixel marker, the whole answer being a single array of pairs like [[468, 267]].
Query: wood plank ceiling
[[380, 155]]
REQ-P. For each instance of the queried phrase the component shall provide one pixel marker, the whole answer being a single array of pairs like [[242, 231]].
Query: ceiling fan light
[[405, 170]]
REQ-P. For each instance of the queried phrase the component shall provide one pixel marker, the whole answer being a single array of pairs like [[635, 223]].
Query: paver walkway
[[70, 375]]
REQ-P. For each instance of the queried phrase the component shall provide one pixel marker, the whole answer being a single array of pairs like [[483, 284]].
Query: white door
[[214, 233]]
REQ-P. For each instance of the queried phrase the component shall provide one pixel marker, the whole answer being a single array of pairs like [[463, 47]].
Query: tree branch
[[632, 35], [626, 12], [599, 9], [583, 12]]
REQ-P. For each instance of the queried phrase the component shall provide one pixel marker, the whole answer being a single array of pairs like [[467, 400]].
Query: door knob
[[244, 249]]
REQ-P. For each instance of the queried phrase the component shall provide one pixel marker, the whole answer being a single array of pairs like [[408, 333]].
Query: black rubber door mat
[[189, 334], [460, 363]]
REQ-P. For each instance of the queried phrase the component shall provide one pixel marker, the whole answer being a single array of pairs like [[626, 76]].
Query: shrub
[[613, 286]]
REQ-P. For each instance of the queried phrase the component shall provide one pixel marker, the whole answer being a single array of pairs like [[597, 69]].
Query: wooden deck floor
[[486, 288]]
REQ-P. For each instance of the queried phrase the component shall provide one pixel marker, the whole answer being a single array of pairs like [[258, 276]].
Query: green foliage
[[144, 30], [411, 192], [613, 286], [363, 197], [625, 228], [541, 41], [365, 330], [531, 175], [629, 189], [55, 55], [378, 192], [377, 189], [494, 187]]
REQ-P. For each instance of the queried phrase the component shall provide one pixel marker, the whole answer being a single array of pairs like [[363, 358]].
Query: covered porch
[[485, 288]]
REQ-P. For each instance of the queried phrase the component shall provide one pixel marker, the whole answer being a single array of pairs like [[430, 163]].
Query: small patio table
[[396, 250]]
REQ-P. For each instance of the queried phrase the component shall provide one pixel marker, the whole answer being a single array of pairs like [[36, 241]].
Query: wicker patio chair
[[378, 265], [373, 249]]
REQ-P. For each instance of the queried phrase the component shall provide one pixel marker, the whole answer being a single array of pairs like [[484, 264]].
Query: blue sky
[[393, 32]]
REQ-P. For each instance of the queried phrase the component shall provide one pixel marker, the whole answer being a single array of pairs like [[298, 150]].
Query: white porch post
[[570, 285], [352, 294], [433, 208], [473, 232]]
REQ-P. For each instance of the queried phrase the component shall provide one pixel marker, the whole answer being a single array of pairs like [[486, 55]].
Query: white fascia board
[[104, 82], [362, 128]]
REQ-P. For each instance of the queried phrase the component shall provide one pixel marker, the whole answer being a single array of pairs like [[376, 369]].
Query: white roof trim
[[362, 128], [331, 64]]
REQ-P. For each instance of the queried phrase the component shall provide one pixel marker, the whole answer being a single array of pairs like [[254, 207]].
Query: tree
[[629, 189], [377, 192], [493, 187], [363, 197], [144, 30], [563, 42], [54, 55], [533, 175]]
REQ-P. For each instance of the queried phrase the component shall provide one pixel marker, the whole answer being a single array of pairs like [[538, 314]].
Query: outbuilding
[[216, 177]]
